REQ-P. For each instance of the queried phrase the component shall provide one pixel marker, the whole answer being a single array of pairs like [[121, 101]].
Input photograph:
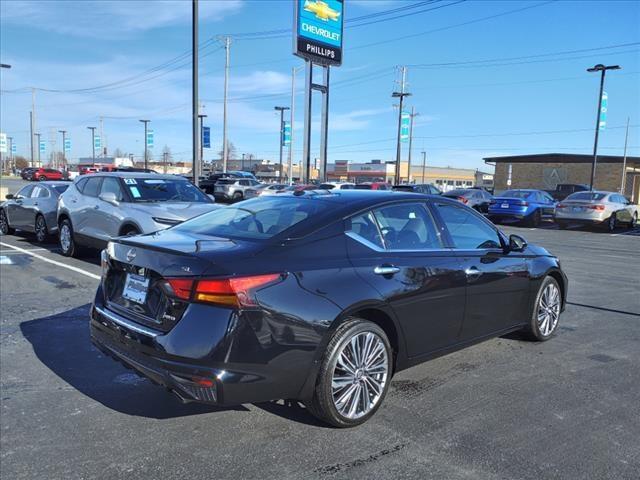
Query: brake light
[[181, 287], [561, 205], [462, 199], [596, 207]]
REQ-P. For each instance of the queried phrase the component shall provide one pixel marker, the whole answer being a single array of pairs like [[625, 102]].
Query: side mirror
[[109, 197], [9, 196], [517, 243], [213, 199]]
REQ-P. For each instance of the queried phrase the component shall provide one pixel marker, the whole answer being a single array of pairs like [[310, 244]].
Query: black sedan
[[317, 296]]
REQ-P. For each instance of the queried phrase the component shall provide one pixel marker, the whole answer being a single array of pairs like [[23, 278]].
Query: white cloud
[[110, 19]]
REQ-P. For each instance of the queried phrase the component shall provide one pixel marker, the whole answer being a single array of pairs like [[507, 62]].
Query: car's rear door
[[398, 250], [497, 280]]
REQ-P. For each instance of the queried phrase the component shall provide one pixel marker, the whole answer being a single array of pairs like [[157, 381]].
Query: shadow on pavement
[[612, 310]]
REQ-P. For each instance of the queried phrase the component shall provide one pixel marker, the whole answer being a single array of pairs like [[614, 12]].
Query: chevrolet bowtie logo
[[322, 10]]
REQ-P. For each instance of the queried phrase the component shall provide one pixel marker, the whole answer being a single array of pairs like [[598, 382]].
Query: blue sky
[[467, 110]]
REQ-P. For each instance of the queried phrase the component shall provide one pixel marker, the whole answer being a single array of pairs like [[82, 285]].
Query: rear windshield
[[586, 196], [327, 186], [60, 188], [404, 188], [163, 190], [256, 219], [456, 193], [516, 193], [227, 181]]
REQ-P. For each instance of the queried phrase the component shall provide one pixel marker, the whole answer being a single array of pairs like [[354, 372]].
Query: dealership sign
[[318, 31]]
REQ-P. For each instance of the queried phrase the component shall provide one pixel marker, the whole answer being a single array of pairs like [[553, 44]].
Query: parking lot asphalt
[[507, 408]]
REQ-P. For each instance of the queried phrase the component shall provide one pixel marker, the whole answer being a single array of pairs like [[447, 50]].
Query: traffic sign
[[206, 137], [97, 143], [318, 27], [67, 145], [3, 142], [149, 138], [405, 121], [604, 104], [14, 148], [286, 134], [43, 146]]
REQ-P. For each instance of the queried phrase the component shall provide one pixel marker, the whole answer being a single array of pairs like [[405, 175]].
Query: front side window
[[112, 185], [40, 192], [407, 226], [467, 230], [25, 192]]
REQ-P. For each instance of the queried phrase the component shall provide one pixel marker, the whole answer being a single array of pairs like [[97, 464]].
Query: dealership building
[[546, 170]]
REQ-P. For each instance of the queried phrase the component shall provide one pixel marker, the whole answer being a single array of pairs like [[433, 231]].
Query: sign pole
[[624, 159], [324, 126], [306, 150], [195, 138]]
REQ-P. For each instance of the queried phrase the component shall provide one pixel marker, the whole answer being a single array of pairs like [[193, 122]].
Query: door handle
[[35, 203], [97, 207], [386, 270], [472, 273]]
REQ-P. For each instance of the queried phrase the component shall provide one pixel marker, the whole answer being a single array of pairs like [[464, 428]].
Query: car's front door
[[106, 215], [86, 217], [497, 279], [398, 250], [18, 209]]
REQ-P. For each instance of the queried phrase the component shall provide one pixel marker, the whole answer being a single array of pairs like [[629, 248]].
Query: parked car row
[[40, 174]]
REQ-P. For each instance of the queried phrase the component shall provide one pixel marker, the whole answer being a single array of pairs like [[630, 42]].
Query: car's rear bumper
[[507, 215], [212, 355], [585, 218]]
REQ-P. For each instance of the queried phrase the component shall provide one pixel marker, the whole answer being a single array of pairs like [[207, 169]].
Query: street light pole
[[146, 155], [410, 143], [598, 68], [281, 110], [424, 164], [196, 166], [401, 94], [64, 136], [38, 136], [93, 142]]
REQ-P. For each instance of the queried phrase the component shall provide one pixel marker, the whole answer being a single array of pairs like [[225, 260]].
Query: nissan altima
[[317, 296]]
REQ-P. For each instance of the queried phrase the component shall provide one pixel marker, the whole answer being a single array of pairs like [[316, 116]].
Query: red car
[[42, 174], [373, 186]]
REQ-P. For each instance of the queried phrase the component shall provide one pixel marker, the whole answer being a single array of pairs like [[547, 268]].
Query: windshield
[[164, 190], [586, 196], [256, 219], [516, 193]]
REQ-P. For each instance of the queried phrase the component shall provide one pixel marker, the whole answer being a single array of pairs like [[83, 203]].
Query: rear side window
[[467, 230], [365, 228], [92, 186], [407, 226], [81, 183]]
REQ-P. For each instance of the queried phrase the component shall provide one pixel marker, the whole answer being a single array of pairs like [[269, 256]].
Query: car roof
[[123, 174], [53, 183]]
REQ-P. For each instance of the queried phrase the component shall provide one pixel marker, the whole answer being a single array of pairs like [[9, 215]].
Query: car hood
[[175, 210]]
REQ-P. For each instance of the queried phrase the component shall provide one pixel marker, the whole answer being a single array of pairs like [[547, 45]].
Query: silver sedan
[[607, 209], [32, 209]]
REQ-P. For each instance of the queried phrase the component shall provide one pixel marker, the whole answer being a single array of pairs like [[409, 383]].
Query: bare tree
[[231, 151]]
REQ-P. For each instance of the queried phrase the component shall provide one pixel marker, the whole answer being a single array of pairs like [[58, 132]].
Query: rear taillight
[[462, 199], [234, 292], [596, 207], [561, 205], [492, 202]]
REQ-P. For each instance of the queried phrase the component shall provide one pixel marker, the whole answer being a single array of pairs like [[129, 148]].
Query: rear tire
[[545, 317], [534, 219], [5, 229], [68, 246], [237, 197], [354, 376], [562, 225], [611, 223], [42, 178], [40, 229]]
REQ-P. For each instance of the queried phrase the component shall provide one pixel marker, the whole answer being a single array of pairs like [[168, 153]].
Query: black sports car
[[317, 296]]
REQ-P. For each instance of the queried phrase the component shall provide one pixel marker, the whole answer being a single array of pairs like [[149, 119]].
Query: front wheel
[[5, 229], [41, 229], [42, 178], [634, 220], [237, 196], [67, 242], [546, 311], [354, 376]]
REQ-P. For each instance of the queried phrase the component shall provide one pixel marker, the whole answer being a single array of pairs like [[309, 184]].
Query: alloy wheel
[[549, 309], [612, 222], [4, 225], [65, 238], [41, 229], [360, 375]]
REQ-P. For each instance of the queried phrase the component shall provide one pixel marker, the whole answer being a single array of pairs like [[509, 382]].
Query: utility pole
[[64, 136], [103, 148], [225, 150], [598, 68], [33, 125], [624, 160], [164, 160], [242, 166], [93, 143], [38, 137], [401, 94], [10, 152], [410, 142], [424, 164], [196, 167], [281, 136], [31, 138], [293, 104], [146, 154]]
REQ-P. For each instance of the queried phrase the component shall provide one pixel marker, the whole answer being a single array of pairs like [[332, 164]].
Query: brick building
[[544, 171]]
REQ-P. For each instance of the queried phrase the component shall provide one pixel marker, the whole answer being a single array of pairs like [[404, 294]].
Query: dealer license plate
[[505, 205], [135, 288]]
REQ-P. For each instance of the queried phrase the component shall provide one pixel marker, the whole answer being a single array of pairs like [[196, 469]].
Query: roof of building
[[560, 158]]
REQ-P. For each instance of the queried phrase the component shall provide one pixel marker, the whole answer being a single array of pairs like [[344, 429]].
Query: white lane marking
[[53, 262], [12, 252], [4, 260]]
